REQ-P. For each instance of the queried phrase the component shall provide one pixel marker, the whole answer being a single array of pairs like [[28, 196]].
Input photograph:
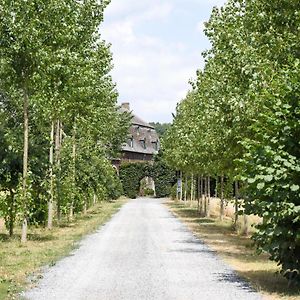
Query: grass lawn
[[238, 251], [20, 264]]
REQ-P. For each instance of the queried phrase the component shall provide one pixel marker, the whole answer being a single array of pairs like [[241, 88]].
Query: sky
[[156, 47]]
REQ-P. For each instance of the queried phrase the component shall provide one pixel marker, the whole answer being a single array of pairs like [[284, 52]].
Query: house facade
[[142, 142]]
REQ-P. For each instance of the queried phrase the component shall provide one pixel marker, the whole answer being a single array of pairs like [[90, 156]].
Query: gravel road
[[142, 253]]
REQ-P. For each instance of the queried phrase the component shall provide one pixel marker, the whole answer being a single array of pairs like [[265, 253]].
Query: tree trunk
[[85, 207], [192, 189], [246, 225], [185, 189], [50, 203], [236, 205], [205, 197], [74, 170], [181, 188], [177, 187], [216, 191], [25, 164], [94, 199], [222, 199], [202, 198], [71, 213], [208, 198], [57, 162], [198, 193], [11, 220]]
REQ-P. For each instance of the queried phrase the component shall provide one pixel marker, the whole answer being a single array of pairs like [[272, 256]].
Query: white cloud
[[122, 31], [146, 9], [156, 12], [152, 73]]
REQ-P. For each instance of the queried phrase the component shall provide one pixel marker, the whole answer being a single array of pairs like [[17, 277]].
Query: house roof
[[135, 119], [141, 133]]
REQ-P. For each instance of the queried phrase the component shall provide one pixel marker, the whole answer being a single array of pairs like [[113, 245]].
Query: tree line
[[59, 122], [240, 123]]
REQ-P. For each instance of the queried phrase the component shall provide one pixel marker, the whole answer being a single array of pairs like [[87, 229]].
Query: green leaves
[[294, 187], [260, 185], [242, 117], [54, 48]]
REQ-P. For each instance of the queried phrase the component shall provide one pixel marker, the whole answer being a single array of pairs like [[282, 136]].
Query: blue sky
[[156, 46]]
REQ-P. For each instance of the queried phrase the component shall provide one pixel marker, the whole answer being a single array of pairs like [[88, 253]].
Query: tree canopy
[[60, 124], [241, 118]]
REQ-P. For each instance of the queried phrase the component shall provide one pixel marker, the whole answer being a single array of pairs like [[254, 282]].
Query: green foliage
[[242, 118], [130, 175], [148, 192], [160, 128], [114, 187], [52, 54], [173, 193], [164, 177]]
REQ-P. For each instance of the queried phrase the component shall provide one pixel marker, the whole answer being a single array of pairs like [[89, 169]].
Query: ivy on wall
[[131, 175], [164, 178]]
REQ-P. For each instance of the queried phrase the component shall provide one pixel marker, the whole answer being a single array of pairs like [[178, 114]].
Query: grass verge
[[20, 265], [238, 251]]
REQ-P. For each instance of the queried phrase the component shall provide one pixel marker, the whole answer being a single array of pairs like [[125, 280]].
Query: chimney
[[126, 106]]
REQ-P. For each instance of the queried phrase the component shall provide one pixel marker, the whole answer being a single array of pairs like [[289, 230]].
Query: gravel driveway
[[142, 253]]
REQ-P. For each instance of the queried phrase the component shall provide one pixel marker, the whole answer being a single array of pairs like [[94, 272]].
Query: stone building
[[141, 146], [143, 141]]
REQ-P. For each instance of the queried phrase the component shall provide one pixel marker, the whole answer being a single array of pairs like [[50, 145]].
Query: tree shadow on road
[[193, 250], [235, 279]]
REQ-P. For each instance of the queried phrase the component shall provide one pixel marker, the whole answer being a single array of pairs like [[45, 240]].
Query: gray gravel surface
[[144, 252]]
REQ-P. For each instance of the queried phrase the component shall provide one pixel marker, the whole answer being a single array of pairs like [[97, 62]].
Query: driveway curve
[[143, 252]]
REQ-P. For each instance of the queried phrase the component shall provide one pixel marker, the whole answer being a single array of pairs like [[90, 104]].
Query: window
[[130, 142], [143, 143], [155, 145]]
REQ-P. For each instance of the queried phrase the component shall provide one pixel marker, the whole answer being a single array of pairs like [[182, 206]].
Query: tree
[[53, 57], [10, 160], [245, 126], [160, 128]]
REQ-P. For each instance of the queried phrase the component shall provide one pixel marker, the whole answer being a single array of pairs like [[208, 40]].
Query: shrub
[[164, 178], [130, 175]]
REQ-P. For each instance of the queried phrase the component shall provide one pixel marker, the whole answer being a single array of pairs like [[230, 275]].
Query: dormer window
[[155, 145], [143, 143], [130, 142]]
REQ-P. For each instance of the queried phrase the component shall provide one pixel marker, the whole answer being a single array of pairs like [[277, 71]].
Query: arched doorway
[[147, 186]]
